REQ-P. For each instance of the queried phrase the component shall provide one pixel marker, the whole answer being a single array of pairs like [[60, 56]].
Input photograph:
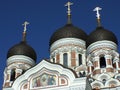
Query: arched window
[[23, 71], [53, 60], [112, 60], [104, 81], [65, 59], [102, 62], [12, 78], [80, 59]]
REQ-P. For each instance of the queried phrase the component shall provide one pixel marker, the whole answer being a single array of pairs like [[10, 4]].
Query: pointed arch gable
[[46, 70]]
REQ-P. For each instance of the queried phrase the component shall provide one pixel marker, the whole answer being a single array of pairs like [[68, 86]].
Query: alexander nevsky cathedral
[[77, 61]]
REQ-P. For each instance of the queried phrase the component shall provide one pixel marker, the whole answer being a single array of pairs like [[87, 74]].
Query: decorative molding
[[67, 42], [43, 64], [101, 44], [20, 58]]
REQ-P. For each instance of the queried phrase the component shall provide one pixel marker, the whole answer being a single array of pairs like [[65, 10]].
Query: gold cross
[[68, 4], [25, 25]]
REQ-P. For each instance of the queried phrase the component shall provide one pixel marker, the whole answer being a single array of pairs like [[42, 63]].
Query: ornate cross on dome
[[97, 9], [25, 25], [68, 4], [24, 32]]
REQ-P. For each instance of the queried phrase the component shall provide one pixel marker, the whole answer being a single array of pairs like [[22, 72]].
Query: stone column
[[57, 58], [61, 57], [73, 59], [84, 57], [96, 62], [117, 61], [89, 68], [108, 59], [8, 75], [69, 58], [7, 78]]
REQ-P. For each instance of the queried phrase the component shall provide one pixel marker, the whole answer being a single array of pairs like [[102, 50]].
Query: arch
[[97, 84], [42, 68], [112, 83], [101, 52], [114, 53], [104, 78], [24, 86], [117, 77]]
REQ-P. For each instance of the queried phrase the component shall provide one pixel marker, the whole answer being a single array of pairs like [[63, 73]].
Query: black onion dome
[[22, 49], [101, 34], [68, 31]]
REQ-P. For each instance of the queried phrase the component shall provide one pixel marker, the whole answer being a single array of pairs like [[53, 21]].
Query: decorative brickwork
[[62, 81], [73, 58], [95, 64], [96, 72], [114, 65], [7, 84], [17, 74], [109, 70], [109, 62], [58, 58]]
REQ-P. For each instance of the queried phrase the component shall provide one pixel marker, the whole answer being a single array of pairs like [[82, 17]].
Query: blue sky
[[45, 17]]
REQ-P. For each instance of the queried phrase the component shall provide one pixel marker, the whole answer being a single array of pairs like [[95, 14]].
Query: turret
[[20, 58], [102, 56], [68, 46]]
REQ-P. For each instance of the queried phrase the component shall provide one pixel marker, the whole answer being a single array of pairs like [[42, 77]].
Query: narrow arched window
[[102, 62], [53, 60], [104, 81], [65, 59], [80, 59], [112, 60], [23, 71], [12, 78]]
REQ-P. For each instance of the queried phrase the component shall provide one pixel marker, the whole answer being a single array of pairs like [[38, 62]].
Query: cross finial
[[97, 9], [24, 32], [68, 4], [25, 25]]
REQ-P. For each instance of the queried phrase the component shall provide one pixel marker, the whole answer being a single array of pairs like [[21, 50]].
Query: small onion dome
[[101, 34], [68, 31], [22, 49]]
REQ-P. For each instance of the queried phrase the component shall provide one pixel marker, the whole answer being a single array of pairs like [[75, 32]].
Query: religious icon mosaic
[[44, 80]]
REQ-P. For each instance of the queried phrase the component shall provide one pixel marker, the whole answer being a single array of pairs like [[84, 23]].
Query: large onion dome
[[68, 31], [101, 34], [22, 49]]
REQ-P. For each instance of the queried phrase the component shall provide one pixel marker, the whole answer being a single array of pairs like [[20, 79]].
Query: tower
[[68, 46], [20, 57], [102, 57]]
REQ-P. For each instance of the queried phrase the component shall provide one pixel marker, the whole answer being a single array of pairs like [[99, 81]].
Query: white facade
[[72, 65], [63, 78]]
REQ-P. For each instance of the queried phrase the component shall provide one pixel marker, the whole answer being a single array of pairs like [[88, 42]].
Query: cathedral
[[77, 61]]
